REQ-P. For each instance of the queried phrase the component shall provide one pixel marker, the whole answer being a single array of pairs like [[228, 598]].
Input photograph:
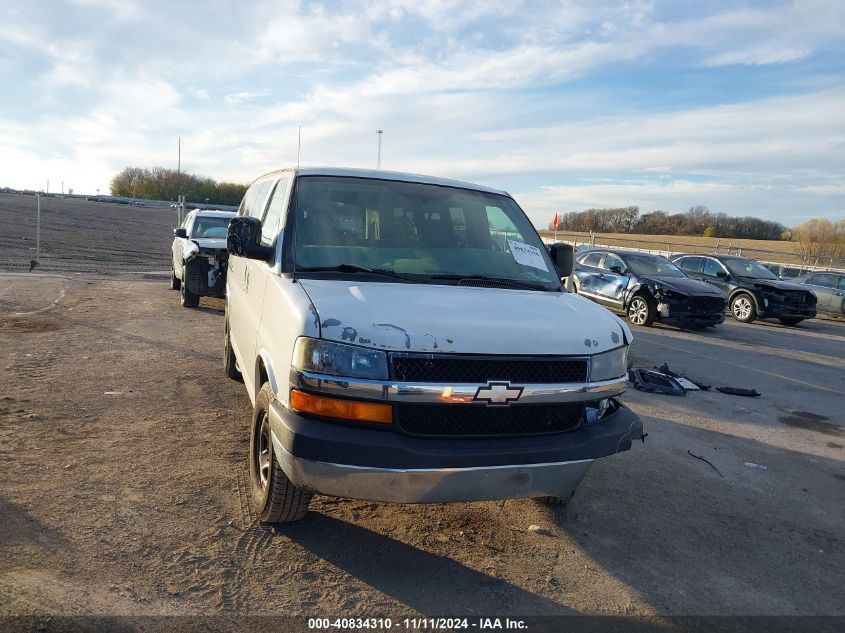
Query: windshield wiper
[[502, 280], [354, 268]]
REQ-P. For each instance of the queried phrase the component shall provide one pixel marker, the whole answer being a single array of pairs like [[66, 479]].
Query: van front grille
[[451, 420], [480, 369]]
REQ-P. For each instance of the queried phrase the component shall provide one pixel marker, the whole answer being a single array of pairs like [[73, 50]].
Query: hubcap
[[742, 308], [638, 311], [261, 456]]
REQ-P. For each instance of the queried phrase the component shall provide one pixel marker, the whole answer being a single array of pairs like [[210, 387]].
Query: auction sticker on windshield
[[527, 255]]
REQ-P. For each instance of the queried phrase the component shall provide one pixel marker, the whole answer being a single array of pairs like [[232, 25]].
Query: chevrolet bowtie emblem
[[498, 393]]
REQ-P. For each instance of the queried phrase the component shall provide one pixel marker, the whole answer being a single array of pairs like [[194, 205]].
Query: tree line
[[819, 242], [698, 220], [161, 183]]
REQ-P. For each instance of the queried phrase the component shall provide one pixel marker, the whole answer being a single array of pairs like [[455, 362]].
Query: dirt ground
[[122, 449], [83, 236]]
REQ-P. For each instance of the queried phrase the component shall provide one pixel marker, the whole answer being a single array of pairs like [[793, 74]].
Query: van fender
[[264, 373]]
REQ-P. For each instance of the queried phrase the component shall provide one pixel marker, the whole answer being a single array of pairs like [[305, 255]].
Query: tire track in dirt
[[248, 550]]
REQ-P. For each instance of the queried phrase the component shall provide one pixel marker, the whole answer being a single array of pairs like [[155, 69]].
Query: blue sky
[[736, 105]]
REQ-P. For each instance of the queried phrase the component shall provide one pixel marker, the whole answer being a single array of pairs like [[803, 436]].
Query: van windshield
[[420, 232]]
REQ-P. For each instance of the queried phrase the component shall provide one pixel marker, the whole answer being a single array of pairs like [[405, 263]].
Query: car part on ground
[[754, 292], [655, 382], [647, 288], [738, 391]]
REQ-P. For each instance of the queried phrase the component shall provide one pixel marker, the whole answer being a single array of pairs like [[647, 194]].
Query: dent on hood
[[382, 335]]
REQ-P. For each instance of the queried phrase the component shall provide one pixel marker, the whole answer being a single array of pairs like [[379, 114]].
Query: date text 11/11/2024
[[411, 624]]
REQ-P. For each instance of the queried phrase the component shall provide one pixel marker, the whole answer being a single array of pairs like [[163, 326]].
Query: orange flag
[[554, 222]]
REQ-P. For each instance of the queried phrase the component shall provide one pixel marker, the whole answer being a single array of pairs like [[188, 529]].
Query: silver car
[[830, 290]]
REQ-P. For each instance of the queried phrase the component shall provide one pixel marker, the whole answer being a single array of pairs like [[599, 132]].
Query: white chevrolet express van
[[407, 339]]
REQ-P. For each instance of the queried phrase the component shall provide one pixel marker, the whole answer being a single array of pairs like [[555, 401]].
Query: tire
[[276, 498], [230, 363], [641, 310], [743, 308], [175, 282], [188, 298], [791, 320]]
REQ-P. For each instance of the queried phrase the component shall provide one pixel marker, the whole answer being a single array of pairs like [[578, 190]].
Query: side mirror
[[242, 239], [563, 257], [616, 269], [723, 275], [180, 232]]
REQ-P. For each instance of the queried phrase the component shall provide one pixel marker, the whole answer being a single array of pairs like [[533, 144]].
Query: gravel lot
[[122, 449]]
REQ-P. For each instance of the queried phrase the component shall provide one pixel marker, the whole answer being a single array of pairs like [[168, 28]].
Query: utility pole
[[47, 190], [378, 163], [298, 146]]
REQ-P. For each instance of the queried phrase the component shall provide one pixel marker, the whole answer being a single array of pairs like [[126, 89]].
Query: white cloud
[[473, 90]]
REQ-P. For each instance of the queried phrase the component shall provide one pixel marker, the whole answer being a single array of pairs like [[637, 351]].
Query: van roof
[[379, 174]]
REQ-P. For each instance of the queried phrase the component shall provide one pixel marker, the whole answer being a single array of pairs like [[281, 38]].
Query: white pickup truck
[[407, 339], [199, 257]]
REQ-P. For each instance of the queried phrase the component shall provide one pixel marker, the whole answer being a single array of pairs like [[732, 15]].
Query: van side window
[[259, 203], [711, 267], [249, 200], [273, 216]]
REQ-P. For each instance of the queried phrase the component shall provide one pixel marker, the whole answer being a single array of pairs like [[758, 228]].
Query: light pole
[[378, 163]]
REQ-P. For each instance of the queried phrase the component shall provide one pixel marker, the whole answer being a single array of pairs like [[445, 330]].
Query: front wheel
[[175, 282], [641, 311], [743, 308], [188, 298], [791, 320], [275, 497]]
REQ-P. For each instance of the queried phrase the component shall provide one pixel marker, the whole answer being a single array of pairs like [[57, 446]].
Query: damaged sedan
[[199, 258], [754, 291], [647, 288]]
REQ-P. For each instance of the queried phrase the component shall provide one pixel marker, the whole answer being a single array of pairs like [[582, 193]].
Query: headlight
[[609, 365], [337, 359]]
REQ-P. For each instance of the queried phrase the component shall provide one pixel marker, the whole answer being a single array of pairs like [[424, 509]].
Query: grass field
[[764, 250]]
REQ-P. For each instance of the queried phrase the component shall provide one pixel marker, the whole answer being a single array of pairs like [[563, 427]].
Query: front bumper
[[675, 317], [336, 459], [781, 310]]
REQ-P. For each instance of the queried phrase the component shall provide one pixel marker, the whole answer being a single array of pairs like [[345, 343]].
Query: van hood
[[461, 319]]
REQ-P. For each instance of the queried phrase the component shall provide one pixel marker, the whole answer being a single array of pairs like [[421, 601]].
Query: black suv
[[647, 287], [754, 292]]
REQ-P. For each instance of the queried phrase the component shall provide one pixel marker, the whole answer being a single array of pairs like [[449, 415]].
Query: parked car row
[[691, 290]]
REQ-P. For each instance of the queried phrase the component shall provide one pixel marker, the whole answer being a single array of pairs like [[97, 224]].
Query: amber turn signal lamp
[[338, 408]]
